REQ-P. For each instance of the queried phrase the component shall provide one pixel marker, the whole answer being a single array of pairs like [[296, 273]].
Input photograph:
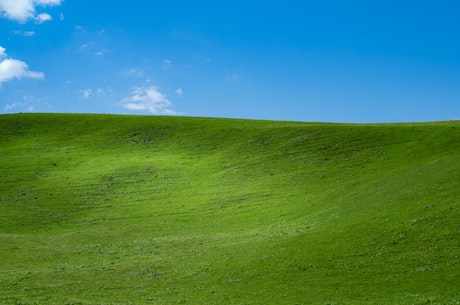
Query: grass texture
[[106, 209]]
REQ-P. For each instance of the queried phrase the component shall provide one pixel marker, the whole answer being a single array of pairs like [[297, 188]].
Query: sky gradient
[[332, 61]]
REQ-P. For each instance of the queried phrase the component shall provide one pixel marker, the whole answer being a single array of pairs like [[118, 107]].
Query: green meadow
[[107, 209]]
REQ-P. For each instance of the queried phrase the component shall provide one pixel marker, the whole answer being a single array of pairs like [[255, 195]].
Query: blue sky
[[331, 60]]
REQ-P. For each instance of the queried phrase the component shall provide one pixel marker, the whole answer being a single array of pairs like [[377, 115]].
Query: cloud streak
[[15, 69], [25, 33], [148, 99]]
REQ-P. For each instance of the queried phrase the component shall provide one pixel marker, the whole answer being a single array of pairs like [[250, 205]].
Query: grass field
[[105, 209]]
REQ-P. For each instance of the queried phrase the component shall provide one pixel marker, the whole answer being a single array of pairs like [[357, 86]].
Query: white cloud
[[148, 98], [41, 18], [19, 10], [180, 92], [22, 10], [13, 68], [86, 93]]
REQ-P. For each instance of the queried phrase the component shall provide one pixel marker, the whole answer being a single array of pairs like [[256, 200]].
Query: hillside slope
[[104, 209]]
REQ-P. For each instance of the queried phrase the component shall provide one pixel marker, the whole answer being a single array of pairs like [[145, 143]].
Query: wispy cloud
[[90, 49], [83, 48], [148, 99], [12, 68], [87, 93], [18, 105], [101, 52], [180, 92], [25, 33], [101, 91], [27, 103], [23, 10], [136, 72], [167, 64]]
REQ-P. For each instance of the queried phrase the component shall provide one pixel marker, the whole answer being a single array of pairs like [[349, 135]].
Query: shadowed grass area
[[105, 209]]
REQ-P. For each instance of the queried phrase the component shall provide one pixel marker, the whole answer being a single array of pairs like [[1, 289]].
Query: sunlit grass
[[101, 209]]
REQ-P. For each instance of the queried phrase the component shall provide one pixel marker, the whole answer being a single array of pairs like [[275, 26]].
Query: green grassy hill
[[103, 209]]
